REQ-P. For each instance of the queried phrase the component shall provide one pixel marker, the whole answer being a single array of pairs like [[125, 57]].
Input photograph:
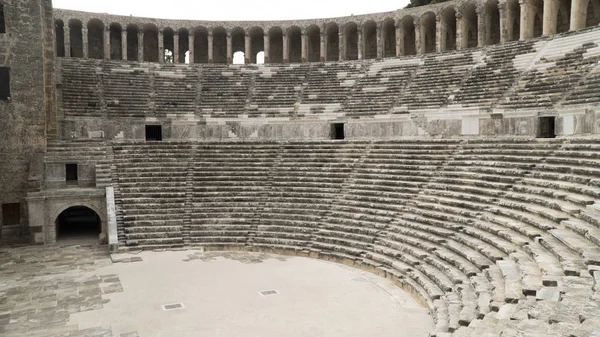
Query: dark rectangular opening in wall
[[153, 132], [2, 22], [546, 127], [71, 172], [11, 214], [337, 131], [4, 84]]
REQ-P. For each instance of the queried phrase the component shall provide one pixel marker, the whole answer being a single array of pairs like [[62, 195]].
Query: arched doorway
[[78, 223]]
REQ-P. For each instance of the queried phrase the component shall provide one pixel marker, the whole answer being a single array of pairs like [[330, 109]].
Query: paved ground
[[76, 290]]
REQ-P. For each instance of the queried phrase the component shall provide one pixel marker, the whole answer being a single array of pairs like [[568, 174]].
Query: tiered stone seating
[[225, 90], [80, 88], [588, 92], [375, 93], [152, 191], [127, 89], [81, 152], [436, 80], [175, 90], [229, 188], [493, 76], [276, 90], [328, 85], [562, 64]]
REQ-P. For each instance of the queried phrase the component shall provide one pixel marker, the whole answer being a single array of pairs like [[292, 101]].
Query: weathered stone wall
[[27, 49]]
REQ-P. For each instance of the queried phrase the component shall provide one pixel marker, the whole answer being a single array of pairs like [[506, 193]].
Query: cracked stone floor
[[78, 290]]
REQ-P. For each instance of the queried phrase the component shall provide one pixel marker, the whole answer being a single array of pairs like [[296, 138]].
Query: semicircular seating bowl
[[492, 236]]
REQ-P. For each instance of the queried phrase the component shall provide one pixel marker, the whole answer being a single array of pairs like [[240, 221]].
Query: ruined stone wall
[[27, 49]]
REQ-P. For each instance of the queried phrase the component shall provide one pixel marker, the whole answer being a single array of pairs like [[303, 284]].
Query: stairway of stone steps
[[104, 171]]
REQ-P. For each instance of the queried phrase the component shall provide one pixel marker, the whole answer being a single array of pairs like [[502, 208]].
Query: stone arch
[[59, 29], [76, 38], [133, 43], [238, 40], [200, 44], [408, 38], [313, 43], [428, 32], [351, 41], [257, 43], [150, 43], [168, 53], [492, 22], [64, 215], [470, 26], [592, 14], [389, 37], [219, 45], [563, 16], [184, 44], [513, 20], [448, 29], [294, 35], [116, 50], [95, 39], [536, 17], [332, 33], [370, 39], [275, 36]]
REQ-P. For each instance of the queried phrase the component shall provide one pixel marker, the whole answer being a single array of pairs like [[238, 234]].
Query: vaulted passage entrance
[[78, 222]]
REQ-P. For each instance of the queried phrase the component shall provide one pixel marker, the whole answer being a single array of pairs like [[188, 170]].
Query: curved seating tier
[[494, 236]]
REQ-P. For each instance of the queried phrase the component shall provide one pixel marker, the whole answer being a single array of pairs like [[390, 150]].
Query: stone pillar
[[342, 45], [323, 46], [361, 43], [578, 14], [380, 40], [191, 39], [481, 27], [286, 48], [267, 47], [210, 48], [247, 49], [304, 47], [550, 14], [176, 47], [504, 33], [229, 49], [84, 42], [107, 43], [141, 46], [439, 42], [67, 34], [124, 43], [459, 31], [418, 43], [526, 23], [161, 46], [399, 38]]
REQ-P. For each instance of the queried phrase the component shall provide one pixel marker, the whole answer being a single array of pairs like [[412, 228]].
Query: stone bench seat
[[366, 207], [556, 208], [486, 179], [550, 190], [141, 236], [219, 240], [375, 197]]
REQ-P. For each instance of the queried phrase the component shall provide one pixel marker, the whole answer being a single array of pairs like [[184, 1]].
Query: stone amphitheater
[[452, 149]]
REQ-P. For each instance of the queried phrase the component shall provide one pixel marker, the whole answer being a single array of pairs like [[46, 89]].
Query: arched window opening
[[116, 50], [470, 26], [389, 38], [563, 17], [351, 41], [593, 13], [428, 32], [513, 20], [295, 44], [313, 43], [538, 25], [76, 38], [239, 57], [184, 46], [333, 42], [448, 26], [257, 43], [409, 46], [537, 14], [96, 39], [59, 28], [370, 39], [150, 43], [492, 22], [201, 45], [168, 45], [2, 21], [260, 58], [219, 45], [132, 43], [78, 222], [276, 45], [238, 43]]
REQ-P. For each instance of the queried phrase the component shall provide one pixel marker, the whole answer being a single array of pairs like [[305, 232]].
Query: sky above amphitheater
[[233, 9]]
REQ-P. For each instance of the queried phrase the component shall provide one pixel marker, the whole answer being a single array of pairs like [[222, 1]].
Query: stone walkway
[[78, 290]]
